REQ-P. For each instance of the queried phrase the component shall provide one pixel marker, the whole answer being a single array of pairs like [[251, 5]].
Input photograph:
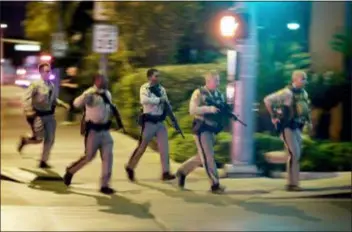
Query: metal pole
[[2, 54], [242, 154], [103, 64]]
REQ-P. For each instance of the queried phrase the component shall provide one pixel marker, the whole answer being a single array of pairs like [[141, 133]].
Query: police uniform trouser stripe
[[148, 132], [205, 144], [292, 142], [139, 144], [102, 141]]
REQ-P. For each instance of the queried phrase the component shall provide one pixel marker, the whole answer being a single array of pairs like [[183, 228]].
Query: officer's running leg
[[37, 133], [93, 143], [205, 145], [49, 137], [163, 146], [187, 167], [107, 158], [148, 132], [292, 142]]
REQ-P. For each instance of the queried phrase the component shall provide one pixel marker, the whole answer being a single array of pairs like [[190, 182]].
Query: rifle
[[115, 113], [225, 109], [118, 119], [168, 110]]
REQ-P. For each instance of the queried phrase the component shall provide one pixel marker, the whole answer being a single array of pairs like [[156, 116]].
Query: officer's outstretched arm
[[194, 105], [145, 98]]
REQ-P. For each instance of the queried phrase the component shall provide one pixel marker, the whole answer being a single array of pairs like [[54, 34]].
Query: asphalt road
[[147, 206]]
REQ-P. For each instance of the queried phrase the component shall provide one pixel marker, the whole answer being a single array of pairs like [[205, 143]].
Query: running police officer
[[292, 114], [40, 101], [152, 125], [97, 105], [205, 125]]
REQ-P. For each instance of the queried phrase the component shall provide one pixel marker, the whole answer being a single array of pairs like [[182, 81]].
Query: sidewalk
[[69, 147]]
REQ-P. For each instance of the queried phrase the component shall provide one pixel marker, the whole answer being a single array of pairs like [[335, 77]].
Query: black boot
[[107, 190], [68, 178], [181, 179], [130, 173], [217, 189], [293, 188], [21, 144], [44, 164], [168, 176]]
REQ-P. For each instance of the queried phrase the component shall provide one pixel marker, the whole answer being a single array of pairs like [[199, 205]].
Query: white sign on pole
[[105, 38], [58, 44]]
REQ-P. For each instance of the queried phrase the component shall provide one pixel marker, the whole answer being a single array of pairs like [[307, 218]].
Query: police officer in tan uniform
[[205, 127], [152, 126], [97, 103], [40, 101], [293, 113]]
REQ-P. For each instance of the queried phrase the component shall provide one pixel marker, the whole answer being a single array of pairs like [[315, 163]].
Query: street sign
[[105, 38], [58, 44]]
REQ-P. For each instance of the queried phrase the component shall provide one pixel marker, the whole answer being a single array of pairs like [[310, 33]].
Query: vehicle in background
[[29, 72], [8, 72]]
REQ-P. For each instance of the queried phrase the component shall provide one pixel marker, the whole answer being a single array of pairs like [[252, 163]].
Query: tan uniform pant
[[149, 131], [293, 143], [94, 141], [205, 145]]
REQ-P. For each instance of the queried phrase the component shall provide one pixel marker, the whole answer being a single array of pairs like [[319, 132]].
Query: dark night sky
[[13, 13]]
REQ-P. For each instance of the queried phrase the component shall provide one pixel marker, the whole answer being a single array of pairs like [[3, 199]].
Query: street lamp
[[293, 26], [239, 30], [228, 26], [3, 26]]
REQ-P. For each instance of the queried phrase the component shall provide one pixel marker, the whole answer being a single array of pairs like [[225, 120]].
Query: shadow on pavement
[[277, 210], [44, 175], [223, 200], [327, 189], [191, 197], [116, 204]]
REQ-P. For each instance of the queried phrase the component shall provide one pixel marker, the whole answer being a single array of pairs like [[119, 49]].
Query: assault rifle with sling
[[115, 113], [224, 109], [168, 110]]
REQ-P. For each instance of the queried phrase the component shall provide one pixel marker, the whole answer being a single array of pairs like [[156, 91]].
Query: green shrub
[[326, 156], [316, 156]]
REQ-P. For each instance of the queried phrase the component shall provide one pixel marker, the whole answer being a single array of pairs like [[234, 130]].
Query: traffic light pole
[[242, 152]]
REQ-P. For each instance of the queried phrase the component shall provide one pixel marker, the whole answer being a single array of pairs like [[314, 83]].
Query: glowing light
[[45, 58], [22, 82], [228, 26], [293, 26], [3, 25], [27, 47], [51, 77], [34, 76], [20, 71]]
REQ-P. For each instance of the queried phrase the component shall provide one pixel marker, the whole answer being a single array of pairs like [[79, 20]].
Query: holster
[[199, 126], [143, 118]]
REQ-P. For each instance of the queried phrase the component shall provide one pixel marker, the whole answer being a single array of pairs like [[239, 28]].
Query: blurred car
[[8, 72], [29, 72]]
